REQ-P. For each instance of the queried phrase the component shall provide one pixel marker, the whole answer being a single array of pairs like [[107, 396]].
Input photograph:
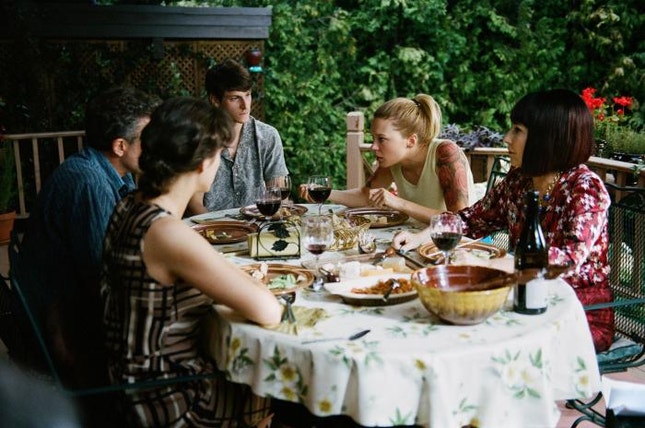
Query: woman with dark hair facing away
[[429, 173], [550, 139], [160, 278]]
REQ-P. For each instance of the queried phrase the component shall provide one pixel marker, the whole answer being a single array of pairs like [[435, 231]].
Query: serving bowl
[[462, 295]]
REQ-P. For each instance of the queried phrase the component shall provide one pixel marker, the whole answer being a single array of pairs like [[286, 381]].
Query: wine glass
[[317, 235], [319, 189], [445, 231], [268, 201], [284, 184]]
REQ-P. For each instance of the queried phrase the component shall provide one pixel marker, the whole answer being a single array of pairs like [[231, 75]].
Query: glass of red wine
[[317, 235], [445, 231], [284, 184], [319, 189], [268, 201]]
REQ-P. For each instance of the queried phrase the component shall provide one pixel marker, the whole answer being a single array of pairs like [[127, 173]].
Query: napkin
[[624, 398], [305, 318], [270, 246]]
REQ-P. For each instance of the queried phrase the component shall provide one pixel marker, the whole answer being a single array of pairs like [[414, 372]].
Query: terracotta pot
[[6, 225]]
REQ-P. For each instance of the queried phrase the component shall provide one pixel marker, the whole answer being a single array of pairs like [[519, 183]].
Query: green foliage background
[[325, 58]]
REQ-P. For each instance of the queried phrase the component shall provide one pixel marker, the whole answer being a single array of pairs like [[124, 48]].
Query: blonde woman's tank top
[[427, 191]]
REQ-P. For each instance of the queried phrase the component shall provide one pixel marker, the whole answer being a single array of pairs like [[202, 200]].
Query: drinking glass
[[268, 201], [319, 189], [284, 184], [445, 230], [317, 235]]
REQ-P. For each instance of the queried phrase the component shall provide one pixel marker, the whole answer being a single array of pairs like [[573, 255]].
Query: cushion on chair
[[621, 348]]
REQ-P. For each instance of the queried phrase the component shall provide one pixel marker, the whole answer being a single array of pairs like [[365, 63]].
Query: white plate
[[344, 290]]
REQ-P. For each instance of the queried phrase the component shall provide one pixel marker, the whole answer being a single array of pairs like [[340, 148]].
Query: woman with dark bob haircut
[[550, 139], [155, 299]]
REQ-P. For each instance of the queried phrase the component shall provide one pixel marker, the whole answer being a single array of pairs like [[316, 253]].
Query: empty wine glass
[[317, 235], [268, 201], [445, 231], [319, 189]]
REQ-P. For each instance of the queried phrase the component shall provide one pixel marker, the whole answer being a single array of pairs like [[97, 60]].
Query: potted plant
[[7, 190]]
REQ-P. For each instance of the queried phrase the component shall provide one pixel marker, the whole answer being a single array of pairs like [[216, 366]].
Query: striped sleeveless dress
[[153, 333]]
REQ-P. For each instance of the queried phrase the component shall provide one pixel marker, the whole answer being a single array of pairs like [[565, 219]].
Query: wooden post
[[354, 160]]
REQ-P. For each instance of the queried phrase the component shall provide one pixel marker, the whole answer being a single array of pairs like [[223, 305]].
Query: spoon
[[387, 253]]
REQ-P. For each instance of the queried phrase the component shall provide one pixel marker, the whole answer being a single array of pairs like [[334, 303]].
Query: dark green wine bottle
[[531, 259]]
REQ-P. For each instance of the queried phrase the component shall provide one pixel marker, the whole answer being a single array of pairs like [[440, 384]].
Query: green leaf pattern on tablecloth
[[581, 373], [365, 351], [287, 375], [401, 419], [520, 371], [468, 411], [238, 356]]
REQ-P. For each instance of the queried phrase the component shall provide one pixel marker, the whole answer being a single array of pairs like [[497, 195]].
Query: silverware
[[463, 244], [288, 314], [393, 284], [354, 336], [411, 259]]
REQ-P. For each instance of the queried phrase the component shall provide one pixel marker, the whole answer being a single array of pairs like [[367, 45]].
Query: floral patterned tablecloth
[[414, 369]]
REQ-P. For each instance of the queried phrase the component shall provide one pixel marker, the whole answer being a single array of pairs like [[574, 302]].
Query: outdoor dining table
[[411, 368]]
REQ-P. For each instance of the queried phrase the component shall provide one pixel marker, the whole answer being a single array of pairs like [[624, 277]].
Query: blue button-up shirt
[[63, 243]]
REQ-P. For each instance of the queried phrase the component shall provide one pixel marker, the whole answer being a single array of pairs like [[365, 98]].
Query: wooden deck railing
[[481, 160], [36, 155]]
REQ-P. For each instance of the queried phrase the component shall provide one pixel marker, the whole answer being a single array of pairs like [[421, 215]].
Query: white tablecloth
[[413, 369]]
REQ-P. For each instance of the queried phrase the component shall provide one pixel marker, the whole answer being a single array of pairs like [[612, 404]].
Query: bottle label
[[536, 294]]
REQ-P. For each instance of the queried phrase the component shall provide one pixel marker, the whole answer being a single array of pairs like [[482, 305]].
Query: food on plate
[[278, 282], [214, 235], [396, 263], [375, 218], [355, 269], [282, 282], [405, 286]]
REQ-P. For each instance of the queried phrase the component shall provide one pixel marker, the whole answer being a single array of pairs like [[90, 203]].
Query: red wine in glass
[[317, 235], [445, 231], [316, 249], [268, 201], [320, 194], [268, 208], [285, 192], [446, 241], [319, 189]]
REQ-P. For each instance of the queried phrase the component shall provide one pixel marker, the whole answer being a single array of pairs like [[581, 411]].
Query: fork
[[288, 314]]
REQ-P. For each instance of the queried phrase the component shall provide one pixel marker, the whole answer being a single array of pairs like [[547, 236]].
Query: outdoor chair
[[627, 280], [500, 168], [105, 398]]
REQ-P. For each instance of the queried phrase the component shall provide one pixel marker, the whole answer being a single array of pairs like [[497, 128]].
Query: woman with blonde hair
[[429, 173]]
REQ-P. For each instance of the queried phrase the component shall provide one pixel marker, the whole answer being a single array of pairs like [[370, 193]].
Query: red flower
[[624, 101]]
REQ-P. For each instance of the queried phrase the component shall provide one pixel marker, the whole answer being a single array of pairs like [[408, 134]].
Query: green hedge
[[476, 57]]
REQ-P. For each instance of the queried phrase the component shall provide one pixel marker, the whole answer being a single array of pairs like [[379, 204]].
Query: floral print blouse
[[574, 222]]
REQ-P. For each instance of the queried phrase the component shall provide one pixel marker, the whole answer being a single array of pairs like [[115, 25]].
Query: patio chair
[[500, 168], [105, 398], [627, 280]]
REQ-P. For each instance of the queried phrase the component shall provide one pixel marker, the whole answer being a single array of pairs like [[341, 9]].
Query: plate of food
[[378, 217], [280, 278], [225, 232], [251, 211], [475, 248], [369, 291]]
